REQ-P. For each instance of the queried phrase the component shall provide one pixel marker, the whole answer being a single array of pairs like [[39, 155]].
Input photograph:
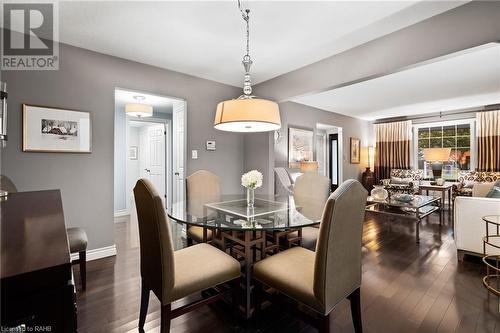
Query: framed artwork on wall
[[355, 151], [132, 152], [56, 130], [300, 146]]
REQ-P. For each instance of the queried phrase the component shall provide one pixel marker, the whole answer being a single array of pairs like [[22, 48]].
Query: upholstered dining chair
[[172, 275], [310, 194], [282, 182], [7, 185], [202, 187], [77, 237], [321, 279]]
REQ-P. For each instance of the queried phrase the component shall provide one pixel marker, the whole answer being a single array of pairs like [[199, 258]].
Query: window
[[456, 135]]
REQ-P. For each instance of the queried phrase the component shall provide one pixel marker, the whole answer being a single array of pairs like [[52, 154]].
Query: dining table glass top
[[232, 213]]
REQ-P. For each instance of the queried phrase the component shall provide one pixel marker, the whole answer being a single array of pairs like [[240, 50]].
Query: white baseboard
[[99, 253], [122, 212]]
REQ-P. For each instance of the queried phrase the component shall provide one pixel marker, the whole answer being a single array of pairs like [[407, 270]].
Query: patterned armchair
[[403, 181], [467, 179]]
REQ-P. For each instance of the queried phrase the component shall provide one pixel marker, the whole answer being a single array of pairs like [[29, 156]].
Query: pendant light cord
[[247, 61]]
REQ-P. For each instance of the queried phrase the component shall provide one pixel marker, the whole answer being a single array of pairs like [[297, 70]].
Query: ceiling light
[[247, 113], [138, 109]]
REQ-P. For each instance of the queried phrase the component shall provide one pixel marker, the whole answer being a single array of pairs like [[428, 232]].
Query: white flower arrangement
[[252, 179]]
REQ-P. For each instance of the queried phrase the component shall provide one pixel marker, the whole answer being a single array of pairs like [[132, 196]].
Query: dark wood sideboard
[[36, 277]]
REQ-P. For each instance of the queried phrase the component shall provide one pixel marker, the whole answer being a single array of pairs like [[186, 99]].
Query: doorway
[[151, 150], [333, 170], [150, 147], [329, 153]]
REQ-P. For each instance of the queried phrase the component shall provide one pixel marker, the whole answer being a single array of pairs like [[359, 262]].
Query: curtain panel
[[392, 148], [488, 140]]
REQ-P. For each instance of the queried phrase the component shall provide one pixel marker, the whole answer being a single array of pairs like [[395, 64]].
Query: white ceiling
[[159, 103], [465, 80], [206, 39]]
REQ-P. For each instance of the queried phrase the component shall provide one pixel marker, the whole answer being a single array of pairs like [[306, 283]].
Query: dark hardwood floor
[[406, 288]]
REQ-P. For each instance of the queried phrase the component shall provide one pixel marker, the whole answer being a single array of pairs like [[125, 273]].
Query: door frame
[[331, 137], [159, 94]]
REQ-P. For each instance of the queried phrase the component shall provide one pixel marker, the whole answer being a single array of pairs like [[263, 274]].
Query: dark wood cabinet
[[36, 277]]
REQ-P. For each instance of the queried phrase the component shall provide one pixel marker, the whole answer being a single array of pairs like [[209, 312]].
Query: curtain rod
[[440, 114]]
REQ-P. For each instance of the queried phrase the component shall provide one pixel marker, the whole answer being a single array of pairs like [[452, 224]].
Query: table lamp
[[308, 166], [437, 156], [368, 177]]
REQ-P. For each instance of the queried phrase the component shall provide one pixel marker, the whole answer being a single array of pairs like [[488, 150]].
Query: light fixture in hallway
[[139, 109], [247, 113]]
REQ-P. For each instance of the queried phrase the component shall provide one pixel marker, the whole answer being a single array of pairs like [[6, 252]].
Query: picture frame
[[300, 146], [355, 151], [56, 130], [133, 153]]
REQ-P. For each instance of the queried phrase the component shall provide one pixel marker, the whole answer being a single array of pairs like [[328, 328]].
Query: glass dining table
[[241, 230]]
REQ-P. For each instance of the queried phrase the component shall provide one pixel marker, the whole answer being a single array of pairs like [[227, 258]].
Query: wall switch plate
[[194, 154], [210, 145]]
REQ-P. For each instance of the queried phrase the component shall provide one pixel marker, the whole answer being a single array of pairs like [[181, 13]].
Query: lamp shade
[[247, 115], [437, 154], [139, 110], [308, 166]]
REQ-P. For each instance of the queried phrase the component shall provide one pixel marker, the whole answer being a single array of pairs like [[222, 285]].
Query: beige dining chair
[[321, 279], [202, 187], [172, 275], [310, 194]]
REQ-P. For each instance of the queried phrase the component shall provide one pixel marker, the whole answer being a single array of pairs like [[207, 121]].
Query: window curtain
[[392, 148], [488, 140]]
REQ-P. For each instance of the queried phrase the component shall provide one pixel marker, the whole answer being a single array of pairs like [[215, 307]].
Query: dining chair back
[[282, 182], [156, 246], [337, 267], [201, 187], [310, 193]]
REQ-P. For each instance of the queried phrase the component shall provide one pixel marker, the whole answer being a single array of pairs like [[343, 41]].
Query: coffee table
[[419, 208], [446, 188]]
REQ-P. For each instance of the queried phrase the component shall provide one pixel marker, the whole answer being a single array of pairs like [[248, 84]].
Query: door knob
[[176, 173], [147, 170]]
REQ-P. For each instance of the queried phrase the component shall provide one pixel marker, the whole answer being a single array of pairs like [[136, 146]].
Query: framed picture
[[47, 129], [132, 152], [300, 146], [355, 151]]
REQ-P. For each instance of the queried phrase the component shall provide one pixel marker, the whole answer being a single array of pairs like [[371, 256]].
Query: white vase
[[250, 197], [379, 192]]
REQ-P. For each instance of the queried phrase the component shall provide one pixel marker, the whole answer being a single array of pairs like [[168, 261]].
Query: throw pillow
[[494, 193], [469, 183], [402, 181]]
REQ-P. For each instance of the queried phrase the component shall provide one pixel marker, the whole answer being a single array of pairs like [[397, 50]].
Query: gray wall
[[86, 81], [259, 155], [302, 116]]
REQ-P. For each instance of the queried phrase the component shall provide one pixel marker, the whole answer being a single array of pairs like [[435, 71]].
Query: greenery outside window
[[457, 135]]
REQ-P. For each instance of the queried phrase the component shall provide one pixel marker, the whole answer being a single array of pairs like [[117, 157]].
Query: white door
[[178, 149], [152, 156]]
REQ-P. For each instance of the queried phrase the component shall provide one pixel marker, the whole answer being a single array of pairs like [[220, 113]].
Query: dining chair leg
[[355, 300], [82, 258], [166, 316], [324, 324], [144, 306]]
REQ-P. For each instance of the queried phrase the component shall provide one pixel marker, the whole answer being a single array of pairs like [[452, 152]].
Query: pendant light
[[139, 109], [247, 113]]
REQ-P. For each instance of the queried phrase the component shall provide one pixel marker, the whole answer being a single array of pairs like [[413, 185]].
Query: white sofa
[[469, 226]]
